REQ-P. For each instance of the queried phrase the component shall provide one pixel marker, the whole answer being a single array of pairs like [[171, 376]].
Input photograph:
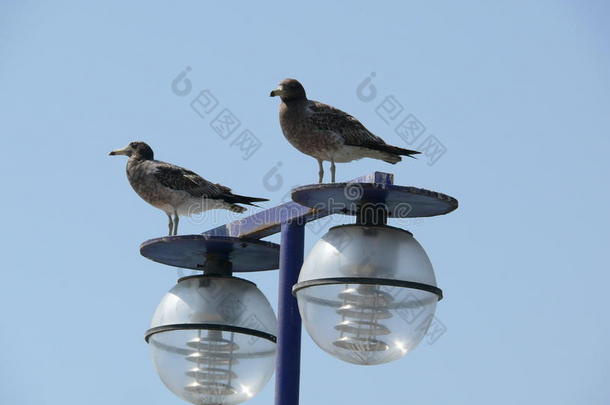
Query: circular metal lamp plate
[[196, 251], [399, 201]]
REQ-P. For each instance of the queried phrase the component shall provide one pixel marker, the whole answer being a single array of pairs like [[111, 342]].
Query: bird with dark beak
[[175, 190], [289, 89], [327, 133]]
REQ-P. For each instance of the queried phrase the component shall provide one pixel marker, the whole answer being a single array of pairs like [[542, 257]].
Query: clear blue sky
[[517, 94]]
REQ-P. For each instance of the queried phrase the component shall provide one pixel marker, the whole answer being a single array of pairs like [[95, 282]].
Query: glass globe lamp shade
[[367, 294], [212, 340]]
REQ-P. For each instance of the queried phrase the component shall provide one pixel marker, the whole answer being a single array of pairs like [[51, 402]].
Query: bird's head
[[136, 150], [289, 89]]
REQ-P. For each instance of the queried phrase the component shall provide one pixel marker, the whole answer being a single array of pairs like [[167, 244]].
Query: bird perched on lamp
[[327, 133], [175, 190]]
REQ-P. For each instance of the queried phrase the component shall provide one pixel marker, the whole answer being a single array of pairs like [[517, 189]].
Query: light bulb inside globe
[[214, 361]]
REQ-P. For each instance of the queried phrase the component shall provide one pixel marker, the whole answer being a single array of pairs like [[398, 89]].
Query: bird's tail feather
[[242, 199], [397, 151]]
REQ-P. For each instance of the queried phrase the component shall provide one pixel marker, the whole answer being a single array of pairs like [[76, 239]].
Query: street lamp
[[213, 336], [366, 292]]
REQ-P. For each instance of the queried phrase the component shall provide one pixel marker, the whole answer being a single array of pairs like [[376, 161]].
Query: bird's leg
[[176, 220], [170, 225], [332, 170], [320, 172]]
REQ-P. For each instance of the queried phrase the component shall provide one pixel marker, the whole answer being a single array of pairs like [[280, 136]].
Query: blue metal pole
[[288, 361]]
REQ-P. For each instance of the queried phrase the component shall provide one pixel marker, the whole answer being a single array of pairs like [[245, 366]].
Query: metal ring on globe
[[371, 281], [209, 326]]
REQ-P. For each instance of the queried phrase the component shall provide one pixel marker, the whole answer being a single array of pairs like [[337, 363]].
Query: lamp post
[[353, 290]]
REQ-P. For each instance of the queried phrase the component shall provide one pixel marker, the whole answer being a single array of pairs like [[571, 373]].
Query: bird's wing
[[328, 118], [178, 178]]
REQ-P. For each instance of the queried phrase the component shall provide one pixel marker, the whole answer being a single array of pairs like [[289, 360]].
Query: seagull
[[327, 133], [175, 190]]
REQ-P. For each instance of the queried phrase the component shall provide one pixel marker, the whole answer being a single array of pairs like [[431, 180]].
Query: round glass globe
[[367, 294], [201, 341]]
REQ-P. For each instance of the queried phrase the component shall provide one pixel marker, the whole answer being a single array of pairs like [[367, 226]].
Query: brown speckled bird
[[176, 190], [327, 133]]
